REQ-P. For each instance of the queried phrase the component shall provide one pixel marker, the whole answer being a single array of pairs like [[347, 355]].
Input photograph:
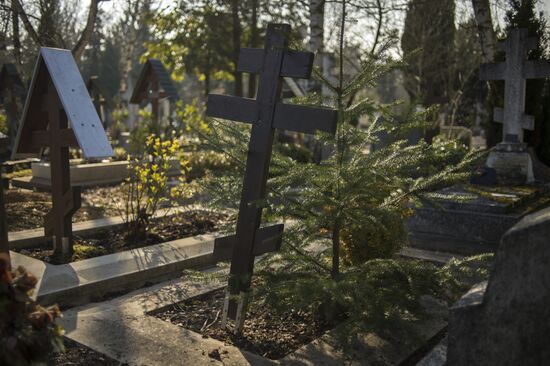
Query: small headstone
[[506, 321], [510, 158]]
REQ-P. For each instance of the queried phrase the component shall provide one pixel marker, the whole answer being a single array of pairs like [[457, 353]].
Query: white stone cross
[[514, 71]]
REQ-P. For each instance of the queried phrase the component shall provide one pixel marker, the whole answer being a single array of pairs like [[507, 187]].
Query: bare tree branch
[[25, 19], [88, 31]]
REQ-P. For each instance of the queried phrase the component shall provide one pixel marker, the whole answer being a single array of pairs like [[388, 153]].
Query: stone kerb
[[85, 175], [506, 321]]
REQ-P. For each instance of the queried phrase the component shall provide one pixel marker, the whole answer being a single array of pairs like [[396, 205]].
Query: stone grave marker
[[154, 83], [506, 320], [266, 113], [12, 93], [59, 114], [510, 158]]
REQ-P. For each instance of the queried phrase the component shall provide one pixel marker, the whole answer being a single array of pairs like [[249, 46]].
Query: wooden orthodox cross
[[154, 83], [514, 71], [97, 97], [266, 113], [57, 96]]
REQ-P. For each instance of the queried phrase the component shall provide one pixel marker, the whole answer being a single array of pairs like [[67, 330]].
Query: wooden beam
[[296, 64], [65, 137], [232, 108], [268, 239], [305, 119]]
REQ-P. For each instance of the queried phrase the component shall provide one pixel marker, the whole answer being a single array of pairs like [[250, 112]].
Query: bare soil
[[76, 354], [25, 209], [178, 226], [265, 332]]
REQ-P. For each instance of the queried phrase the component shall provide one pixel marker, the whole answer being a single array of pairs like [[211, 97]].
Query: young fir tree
[[345, 216]]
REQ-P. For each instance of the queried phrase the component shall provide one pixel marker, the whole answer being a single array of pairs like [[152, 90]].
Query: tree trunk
[[316, 37], [88, 31], [335, 272], [487, 41], [486, 33], [28, 26], [254, 40], [236, 47], [4, 244], [16, 36]]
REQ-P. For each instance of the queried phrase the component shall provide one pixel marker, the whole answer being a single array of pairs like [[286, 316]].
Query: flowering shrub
[[146, 186], [28, 331]]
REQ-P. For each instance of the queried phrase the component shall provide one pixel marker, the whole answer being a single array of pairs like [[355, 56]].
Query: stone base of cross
[[510, 158]]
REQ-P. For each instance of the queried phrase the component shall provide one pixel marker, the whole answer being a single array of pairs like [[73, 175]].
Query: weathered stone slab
[[83, 281], [121, 330], [470, 226], [506, 321]]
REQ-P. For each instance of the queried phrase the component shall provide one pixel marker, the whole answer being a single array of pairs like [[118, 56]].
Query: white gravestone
[[510, 158]]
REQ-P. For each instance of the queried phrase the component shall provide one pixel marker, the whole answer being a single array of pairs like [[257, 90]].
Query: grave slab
[[474, 223], [80, 282]]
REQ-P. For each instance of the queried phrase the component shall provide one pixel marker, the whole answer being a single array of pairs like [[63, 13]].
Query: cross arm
[[527, 121], [536, 69], [296, 64], [305, 119], [268, 239], [492, 71], [232, 108], [44, 138]]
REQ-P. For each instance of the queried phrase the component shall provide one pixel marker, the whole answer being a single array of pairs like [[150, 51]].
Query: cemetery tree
[[50, 25], [428, 48], [350, 208], [194, 42]]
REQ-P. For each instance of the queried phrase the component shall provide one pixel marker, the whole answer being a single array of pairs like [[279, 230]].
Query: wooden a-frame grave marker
[[58, 99], [153, 84], [265, 113]]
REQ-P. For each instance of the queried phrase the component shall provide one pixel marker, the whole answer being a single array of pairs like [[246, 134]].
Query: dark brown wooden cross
[[514, 71], [57, 96], [97, 97], [265, 113]]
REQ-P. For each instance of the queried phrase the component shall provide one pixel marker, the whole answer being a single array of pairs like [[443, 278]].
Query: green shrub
[[146, 187], [28, 331]]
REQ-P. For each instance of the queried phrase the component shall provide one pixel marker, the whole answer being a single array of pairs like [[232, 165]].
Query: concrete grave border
[[117, 327]]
